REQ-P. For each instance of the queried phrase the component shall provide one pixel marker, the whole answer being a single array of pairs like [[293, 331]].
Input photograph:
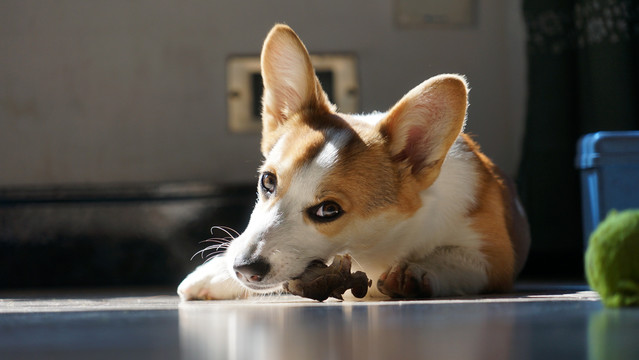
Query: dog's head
[[332, 182]]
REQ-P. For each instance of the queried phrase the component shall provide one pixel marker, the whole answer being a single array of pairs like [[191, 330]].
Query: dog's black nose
[[253, 270]]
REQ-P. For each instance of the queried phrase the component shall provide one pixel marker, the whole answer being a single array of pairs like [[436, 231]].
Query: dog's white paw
[[211, 281]]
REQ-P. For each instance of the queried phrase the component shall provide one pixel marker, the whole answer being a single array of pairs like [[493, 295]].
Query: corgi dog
[[406, 193]]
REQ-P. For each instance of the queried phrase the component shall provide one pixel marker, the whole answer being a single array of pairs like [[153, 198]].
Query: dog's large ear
[[290, 84], [423, 125]]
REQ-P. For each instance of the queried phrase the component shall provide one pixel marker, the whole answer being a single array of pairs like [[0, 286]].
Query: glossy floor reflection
[[567, 324]]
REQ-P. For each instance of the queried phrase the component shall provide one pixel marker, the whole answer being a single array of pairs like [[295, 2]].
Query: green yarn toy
[[612, 259]]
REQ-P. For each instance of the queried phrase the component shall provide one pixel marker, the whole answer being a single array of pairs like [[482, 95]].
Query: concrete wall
[[131, 91]]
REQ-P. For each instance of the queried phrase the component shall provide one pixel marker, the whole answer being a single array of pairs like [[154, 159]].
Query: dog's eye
[[325, 212], [268, 182]]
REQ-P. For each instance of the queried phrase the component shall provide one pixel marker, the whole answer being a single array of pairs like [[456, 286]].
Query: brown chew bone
[[320, 281]]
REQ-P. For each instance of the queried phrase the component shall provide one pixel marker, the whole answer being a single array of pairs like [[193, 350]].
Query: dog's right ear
[[290, 84]]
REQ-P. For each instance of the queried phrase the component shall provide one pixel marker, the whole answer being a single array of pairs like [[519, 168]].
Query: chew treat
[[320, 281]]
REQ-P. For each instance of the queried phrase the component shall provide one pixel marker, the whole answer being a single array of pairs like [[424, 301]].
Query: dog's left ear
[[423, 125], [290, 84]]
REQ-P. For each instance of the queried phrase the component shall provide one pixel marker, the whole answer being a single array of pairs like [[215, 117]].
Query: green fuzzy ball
[[612, 259]]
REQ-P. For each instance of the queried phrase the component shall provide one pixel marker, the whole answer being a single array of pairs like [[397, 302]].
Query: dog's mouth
[[270, 285], [263, 287], [312, 266]]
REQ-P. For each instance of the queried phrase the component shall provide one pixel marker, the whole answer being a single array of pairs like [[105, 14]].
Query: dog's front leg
[[447, 271], [211, 281]]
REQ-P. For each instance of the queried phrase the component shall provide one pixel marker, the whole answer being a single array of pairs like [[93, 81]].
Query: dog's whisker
[[354, 260], [213, 251], [245, 293], [232, 233], [217, 240], [201, 253], [216, 251], [220, 243], [216, 248], [220, 246]]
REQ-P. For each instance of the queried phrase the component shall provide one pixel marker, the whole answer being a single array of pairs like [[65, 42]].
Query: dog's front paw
[[211, 281], [405, 281]]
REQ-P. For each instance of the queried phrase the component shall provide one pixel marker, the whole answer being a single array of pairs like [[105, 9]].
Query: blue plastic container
[[609, 164]]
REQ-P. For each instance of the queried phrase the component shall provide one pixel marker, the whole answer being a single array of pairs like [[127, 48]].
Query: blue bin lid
[[607, 147]]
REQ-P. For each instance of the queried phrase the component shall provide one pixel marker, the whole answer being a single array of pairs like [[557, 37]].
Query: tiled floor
[[535, 323]]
